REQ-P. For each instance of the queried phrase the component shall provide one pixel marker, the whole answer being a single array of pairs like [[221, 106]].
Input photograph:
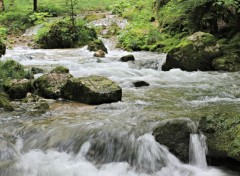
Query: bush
[[63, 34]]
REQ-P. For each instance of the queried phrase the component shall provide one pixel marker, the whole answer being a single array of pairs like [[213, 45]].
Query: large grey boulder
[[92, 90], [175, 134], [49, 85], [194, 53]]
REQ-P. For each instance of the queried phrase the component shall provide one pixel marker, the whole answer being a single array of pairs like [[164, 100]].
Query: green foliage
[[119, 8], [63, 34]]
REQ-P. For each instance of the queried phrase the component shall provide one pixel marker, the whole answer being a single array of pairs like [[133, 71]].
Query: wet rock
[[175, 134], [223, 135], [92, 90], [8, 153], [99, 53], [31, 98], [5, 103], [97, 45], [49, 85], [17, 89], [140, 83], [194, 53], [2, 48], [60, 69], [127, 58], [36, 70], [152, 19], [229, 62]]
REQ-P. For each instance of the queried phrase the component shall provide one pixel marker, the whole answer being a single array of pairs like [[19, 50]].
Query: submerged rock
[[194, 53], [127, 58], [175, 134], [97, 45], [49, 85], [140, 83], [17, 89], [99, 53], [92, 90], [223, 135]]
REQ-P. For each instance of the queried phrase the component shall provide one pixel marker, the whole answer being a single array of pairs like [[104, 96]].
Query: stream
[[74, 139]]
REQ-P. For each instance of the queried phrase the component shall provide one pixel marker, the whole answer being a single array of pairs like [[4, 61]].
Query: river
[[73, 139]]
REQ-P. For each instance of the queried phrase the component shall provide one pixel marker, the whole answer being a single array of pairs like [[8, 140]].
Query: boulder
[[140, 83], [223, 135], [175, 134], [97, 45], [99, 53], [127, 58], [49, 85], [92, 90], [60, 69], [17, 88], [5, 103], [36, 70], [229, 62], [2, 48], [194, 53]]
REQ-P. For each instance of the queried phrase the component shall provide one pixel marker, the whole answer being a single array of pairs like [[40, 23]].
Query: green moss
[[60, 69], [223, 134], [17, 89], [5, 103], [10, 69], [229, 62], [93, 17]]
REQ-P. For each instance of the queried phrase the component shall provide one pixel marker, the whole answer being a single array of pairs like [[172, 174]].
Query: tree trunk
[[35, 5], [2, 5]]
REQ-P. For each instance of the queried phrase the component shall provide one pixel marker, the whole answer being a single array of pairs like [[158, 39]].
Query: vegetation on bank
[[19, 15], [160, 25]]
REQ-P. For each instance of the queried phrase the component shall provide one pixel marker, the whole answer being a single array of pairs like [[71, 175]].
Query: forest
[[119, 87]]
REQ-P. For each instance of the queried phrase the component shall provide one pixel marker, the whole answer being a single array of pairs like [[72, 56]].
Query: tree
[[35, 5], [2, 5], [71, 6]]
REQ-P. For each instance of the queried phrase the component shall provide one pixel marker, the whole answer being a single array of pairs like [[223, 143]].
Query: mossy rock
[[194, 53], [2, 48], [92, 90], [97, 45], [60, 69], [230, 63], [17, 89], [63, 34], [175, 134], [10, 69], [223, 134], [36, 70], [5, 103], [93, 17], [49, 85]]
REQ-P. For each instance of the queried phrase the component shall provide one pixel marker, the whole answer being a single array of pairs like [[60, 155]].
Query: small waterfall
[[198, 150]]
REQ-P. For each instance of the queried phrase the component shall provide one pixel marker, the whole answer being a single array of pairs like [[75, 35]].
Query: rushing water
[[74, 139]]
